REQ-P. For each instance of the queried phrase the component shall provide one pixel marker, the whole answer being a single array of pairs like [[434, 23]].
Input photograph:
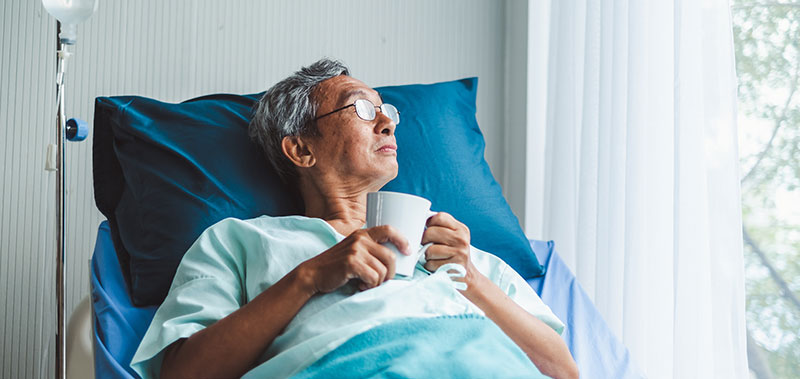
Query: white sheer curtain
[[633, 172]]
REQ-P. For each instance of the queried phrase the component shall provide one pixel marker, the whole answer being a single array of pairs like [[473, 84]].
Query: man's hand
[[542, 344], [359, 256], [451, 241]]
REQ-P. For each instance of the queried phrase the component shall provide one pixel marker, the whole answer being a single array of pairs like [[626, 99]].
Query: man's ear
[[298, 151]]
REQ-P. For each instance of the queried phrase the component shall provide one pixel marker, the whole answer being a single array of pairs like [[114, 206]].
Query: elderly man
[[283, 296]]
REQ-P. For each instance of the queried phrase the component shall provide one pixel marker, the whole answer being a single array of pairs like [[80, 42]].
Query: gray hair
[[286, 109]]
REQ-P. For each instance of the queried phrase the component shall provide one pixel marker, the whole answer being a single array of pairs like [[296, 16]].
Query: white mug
[[406, 213]]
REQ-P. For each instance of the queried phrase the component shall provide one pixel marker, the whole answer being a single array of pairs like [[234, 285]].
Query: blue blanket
[[464, 346]]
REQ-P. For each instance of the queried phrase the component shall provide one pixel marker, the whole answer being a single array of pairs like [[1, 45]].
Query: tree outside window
[[767, 44]]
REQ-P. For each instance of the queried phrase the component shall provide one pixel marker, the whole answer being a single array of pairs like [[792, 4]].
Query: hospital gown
[[235, 260]]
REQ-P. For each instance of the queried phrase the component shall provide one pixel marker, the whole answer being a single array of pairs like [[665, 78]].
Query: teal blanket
[[465, 346]]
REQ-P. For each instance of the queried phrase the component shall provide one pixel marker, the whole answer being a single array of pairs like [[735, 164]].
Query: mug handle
[[425, 247]]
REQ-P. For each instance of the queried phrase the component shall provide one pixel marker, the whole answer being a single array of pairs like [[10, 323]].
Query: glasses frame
[[380, 107]]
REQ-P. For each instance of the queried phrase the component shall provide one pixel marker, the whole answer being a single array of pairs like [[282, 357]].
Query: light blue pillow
[[440, 156]]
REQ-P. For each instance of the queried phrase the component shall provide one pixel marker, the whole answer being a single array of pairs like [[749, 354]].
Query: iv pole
[[72, 130], [68, 14], [61, 57], [61, 346]]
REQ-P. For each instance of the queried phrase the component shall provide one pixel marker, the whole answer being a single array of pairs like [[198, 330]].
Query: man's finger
[[366, 273], [379, 267], [386, 233], [440, 252], [433, 265], [442, 235], [386, 258], [443, 219]]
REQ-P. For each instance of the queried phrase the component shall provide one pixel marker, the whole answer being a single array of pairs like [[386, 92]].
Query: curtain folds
[[640, 186]]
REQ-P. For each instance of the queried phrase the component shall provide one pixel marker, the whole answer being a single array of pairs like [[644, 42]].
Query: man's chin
[[390, 175]]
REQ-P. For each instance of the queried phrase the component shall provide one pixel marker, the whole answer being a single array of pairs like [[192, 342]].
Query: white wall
[[175, 50]]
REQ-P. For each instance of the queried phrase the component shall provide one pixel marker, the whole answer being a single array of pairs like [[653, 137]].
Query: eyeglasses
[[365, 110]]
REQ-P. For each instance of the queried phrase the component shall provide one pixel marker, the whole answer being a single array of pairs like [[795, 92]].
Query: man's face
[[354, 149]]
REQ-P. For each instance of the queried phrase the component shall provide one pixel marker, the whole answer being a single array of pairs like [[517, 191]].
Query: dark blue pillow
[[440, 157], [165, 172]]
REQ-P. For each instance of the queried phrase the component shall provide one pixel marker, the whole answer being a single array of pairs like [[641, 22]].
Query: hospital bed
[[124, 300], [119, 326]]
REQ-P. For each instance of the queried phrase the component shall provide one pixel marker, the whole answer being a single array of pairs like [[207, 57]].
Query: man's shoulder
[[264, 229], [232, 238]]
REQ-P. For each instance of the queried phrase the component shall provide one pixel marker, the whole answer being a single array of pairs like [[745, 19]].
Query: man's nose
[[384, 124]]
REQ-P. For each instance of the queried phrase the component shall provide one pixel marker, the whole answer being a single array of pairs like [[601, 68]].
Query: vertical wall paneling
[[27, 101], [515, 104], [176, 50]]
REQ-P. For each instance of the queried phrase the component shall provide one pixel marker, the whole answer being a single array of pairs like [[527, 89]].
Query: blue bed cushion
[[165, 172]]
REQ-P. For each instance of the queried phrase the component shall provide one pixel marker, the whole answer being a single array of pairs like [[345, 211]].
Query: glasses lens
[[365, 109], [390, 111]]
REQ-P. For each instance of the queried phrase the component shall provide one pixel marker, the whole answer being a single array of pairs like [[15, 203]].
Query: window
[[767, 43]]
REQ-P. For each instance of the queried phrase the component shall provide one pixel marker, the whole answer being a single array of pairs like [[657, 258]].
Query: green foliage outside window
[[767, 43]]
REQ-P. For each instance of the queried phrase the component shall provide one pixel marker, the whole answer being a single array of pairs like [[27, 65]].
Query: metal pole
[[60, 209]]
